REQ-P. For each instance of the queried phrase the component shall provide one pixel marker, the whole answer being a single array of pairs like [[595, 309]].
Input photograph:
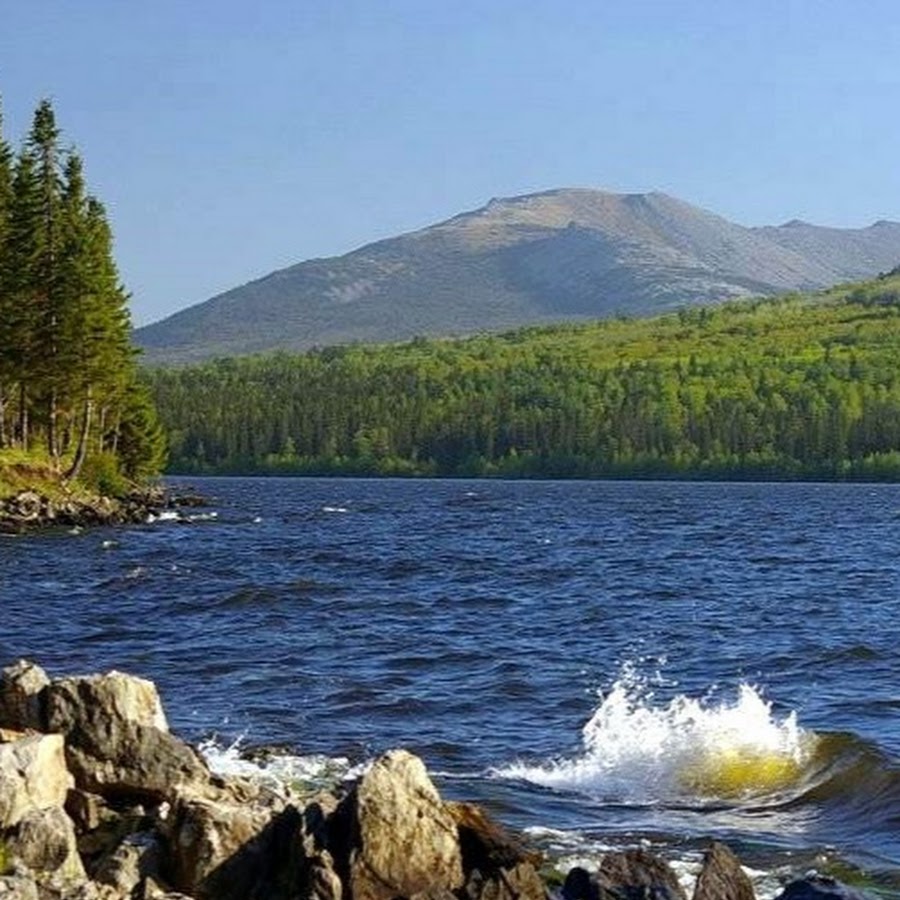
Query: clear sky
[[229, 138]]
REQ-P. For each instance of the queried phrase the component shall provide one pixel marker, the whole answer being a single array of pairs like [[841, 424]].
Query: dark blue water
[[481, 625]]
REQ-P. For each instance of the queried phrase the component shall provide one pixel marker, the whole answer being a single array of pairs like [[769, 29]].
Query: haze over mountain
[[558, 255]]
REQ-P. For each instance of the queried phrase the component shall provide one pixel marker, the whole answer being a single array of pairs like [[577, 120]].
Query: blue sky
[[228, 139]]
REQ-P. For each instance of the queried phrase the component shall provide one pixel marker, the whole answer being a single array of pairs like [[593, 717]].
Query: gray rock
[[117, 739], [43, 841], [21, 693], [722, 877], [239, 843], [18, 887], [33, 776], [637, 874], [819, 887], [101, 827], [403, 839], [497, 864], [321, 880], [629, 875], [129, 866]]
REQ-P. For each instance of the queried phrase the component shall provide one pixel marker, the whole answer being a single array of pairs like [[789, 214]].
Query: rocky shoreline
[[33, 510], [99, 801]]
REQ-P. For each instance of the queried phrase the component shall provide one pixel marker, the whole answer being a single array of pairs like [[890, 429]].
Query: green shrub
[[101, 473]]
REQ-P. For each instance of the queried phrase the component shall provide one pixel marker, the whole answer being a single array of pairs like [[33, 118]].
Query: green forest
[[69, 387], [803, 386]]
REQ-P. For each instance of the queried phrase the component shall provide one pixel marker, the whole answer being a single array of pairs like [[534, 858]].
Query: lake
[[602, 664]]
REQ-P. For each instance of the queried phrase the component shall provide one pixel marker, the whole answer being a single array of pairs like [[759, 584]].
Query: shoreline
[[32, 510], [100, 801]]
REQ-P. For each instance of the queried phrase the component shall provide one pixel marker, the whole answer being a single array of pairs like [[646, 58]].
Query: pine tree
[[65, 347], [6, 184], [21, 264], [141, 444], [97, 356], [43, 144]]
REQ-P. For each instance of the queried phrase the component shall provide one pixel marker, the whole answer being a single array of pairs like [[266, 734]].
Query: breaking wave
[[685, 751]]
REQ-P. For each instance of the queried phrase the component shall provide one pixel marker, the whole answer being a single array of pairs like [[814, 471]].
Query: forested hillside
[[69, 392], [802, 386]]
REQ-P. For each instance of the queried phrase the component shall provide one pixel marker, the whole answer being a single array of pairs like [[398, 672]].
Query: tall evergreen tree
[[43, 144], [65, 352], [96, 356], [21, 266], [6, 184]]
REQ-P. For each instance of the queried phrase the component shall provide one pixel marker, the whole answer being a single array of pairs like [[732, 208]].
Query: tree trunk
[[3, 436], [52, 436], [23, 417], [81, 451]]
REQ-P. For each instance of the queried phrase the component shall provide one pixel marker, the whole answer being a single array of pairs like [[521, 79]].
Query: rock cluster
[[29, 510], [99, 801]]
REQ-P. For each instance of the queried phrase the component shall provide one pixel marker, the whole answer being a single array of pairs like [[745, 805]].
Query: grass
[[33, 470]]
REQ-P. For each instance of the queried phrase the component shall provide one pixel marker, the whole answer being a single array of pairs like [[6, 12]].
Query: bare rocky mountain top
[[558, 255]]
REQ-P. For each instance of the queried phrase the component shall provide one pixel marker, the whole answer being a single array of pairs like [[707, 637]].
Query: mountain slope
[[563, 254]]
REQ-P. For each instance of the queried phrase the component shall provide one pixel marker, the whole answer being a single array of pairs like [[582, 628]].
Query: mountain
[[561, 254]]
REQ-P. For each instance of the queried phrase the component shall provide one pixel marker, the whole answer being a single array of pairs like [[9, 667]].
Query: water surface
[[571, 654]]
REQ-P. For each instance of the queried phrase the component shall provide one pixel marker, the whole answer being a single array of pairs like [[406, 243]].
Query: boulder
[[629, 875], [497, 865], [33, 776], [21, 696], [321, 881], [240, 843], [579, 885], [635, 874], [117, 740], [18, 887], [132, 865], [819, 887], [318, 878], [722, 877], [403, 840], [102, 701], [101, 827], [43, 841]]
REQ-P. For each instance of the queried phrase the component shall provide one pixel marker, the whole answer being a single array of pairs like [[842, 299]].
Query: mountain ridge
[[561, 254]]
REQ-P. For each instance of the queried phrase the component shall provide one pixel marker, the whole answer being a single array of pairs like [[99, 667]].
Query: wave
[[697, 766], [687, 751]]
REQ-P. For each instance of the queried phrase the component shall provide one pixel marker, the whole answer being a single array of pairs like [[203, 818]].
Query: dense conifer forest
[[798, 387], [69, 391]]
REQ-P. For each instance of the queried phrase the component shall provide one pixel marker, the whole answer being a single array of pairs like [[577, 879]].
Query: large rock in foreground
[[233, 843], [35, 832], [99, 801], [403, 839], [33, 776], [117, 738]]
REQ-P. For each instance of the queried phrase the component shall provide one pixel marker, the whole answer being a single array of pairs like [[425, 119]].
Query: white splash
[[687, 749], [166, 515], [280, 772]]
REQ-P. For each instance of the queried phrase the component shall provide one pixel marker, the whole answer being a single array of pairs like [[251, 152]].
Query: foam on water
[[687, 750], [166, 515], [278, 771]]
